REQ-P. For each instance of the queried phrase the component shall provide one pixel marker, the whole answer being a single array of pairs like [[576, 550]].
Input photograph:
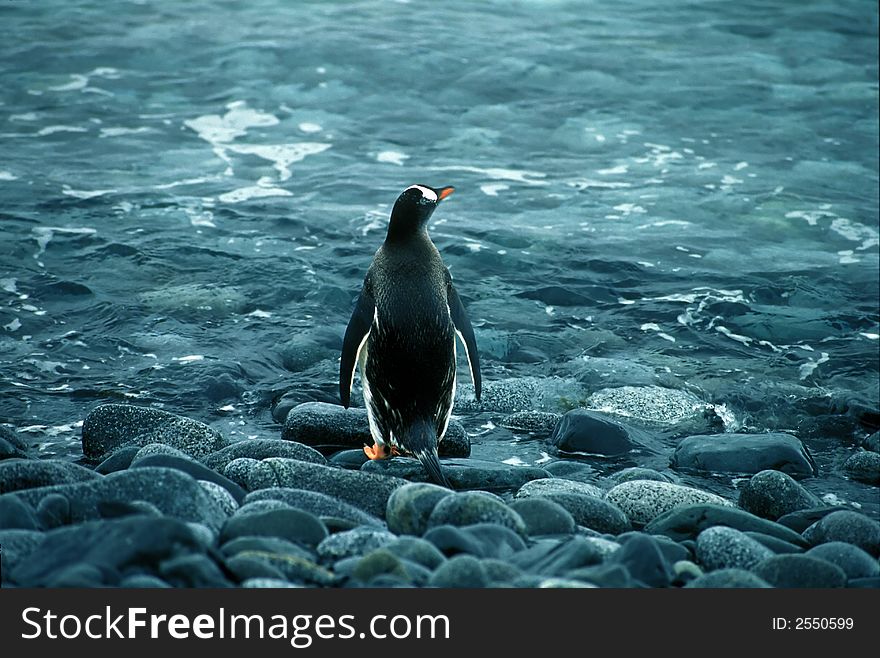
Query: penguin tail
[[421, 441], [431, 462]]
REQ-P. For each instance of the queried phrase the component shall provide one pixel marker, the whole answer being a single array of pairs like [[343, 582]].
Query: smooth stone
[[379, 562], [244, 567], [351, 459], [114, 509], [417, 550], [460, 571], [803, 519], [644, 558], [728, 579], [533, 422], [655, 405], [111, 426], [193, 468], [497, 540], [18, 474], [265, 544], [260, 449], [863, 466], [367, 491], [17, 544], [316, 503], [558, 558], [158, 449], [258, 506], [605, 575], [871, 442], [330, 428], [557, 485], [644, 500], [499, 571], [108, 548], [143, 581], [295, 568], [637, 473], [461, 473], [409, 507], [291, 524], [543, 517], [220, 495], [855, 562], [720, 547], [778, 546], [192, 571], [15, 514], [672, 551], [685, 572], [592, 512], [869, 583], [571, 469], [743, 453], [846, 526], [585, 432], [53, 511], [469, 507], [689, 521], [12, 437], [772, 494], [349, 543], [801, 571], [450, 541], [336, 524], [118, 461], [172, 492]]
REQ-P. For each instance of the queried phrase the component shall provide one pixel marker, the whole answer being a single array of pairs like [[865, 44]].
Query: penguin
[[402, 335]]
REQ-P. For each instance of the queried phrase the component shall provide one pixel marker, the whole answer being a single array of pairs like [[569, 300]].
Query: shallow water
[[682, 194]]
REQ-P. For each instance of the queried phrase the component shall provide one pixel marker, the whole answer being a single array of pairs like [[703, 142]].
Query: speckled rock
[[533, 422], [743, 453], [358, 541], [584, 432], [111, 426], [18, 474], [871, 442], [637, 473], [502, 395], [258, 506], [191, 467], [720, 547], [461, 473], [53, 511], [651, 404], [158, 449], [543, 517], [772, 494], [461, 571], [803, 519], [11, 445], [846, 526], [261, 449], [330, 427], [801, 571], [220, 495], [728, 578], [17, 545], [864, 466], [550, 486], [499, 571], [644, 500], [290, 524], [855, 562], [469, 507], [409, 507], [316, 503], [265, 544], [775, 544], [295, 568], [592, 512], [689, 521]]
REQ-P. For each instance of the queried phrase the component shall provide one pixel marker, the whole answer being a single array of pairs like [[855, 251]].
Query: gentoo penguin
[[402, 333]]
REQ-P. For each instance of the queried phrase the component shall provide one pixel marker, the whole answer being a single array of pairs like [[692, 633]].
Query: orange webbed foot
[[376, 451]]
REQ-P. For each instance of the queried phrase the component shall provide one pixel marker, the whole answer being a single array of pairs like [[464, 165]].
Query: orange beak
[[444, 192]]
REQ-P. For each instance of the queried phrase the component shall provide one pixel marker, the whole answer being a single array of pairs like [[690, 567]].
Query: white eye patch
[[428, 194]]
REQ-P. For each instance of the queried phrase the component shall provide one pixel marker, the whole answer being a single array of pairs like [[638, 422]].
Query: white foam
[[629, 208], [869, 336], [9, 285], [513, 461], [808, 368], [15, 325], [44, 235], [7, 175], [215, 128], [619, 169], [544, 458], [745, 340], [51, 130], [27, 116], [189, 359], [252, 192], [492, 189], [856, 232], [664, 222], [498, 173], [85, 194], [812, 217], [309, 127], [392, 157], [740, 166], [586, 183], [730, 180], [847, 258], [281, 155], [77, 82], [119, 131], [259, 314]]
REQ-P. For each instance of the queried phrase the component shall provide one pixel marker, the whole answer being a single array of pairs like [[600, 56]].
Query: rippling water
[[683, 194]]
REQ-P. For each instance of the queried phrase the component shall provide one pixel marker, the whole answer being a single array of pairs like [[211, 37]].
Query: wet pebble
[[18, 474], [728, 578], [799, 571], [316, 503], [644, 500], [720, 547], [261, 449], [846, 526], [592, 433], [772, 494], [863, 466], [461, 571], [558, 485], [409, 507], [290, 524], [357, 541], [743, 453], [469, 507], [855, 562], [533, 422], [461, 473], [543, 517], [592, 512]]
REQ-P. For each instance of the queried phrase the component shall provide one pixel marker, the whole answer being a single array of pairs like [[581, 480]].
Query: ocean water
[[679, 194]]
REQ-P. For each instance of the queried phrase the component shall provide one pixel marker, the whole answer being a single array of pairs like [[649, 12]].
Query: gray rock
[[158, 449], [685, 572], [265, 544], [548, 486], [743, 453], [592, 512], [469, 507], [358, 541], [244, 567], [290, 524], [174, 493], [803, 519], [605, 575], [801, 571], [499, 571], [261, 449], [644, 500], [489, 540], [366, 491], [504, 395], [296, 569], [352, 459], [571, 469], [260, 506], [317, 503], [461, 473], [118, 461], [584, 432], [533, 422], [850, 527], [239, 471], [720, 547], [638, 473], [772, 494], [728, 578], [410, 506], [330, 427], [689, 521], [225, 500], [417, 550], [192, 571], [380, 562], [776, 545], [461, 571], [543, 517], [863, 466], [15, 514], [111, 426], [11, 445], [17, 544], [17, 474], [871, 442], [643, 557], [53, 511], [191, 467], [649, 404], [855, 562]]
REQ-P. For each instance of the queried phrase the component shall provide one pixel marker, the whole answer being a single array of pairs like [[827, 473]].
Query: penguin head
[[413, 208]]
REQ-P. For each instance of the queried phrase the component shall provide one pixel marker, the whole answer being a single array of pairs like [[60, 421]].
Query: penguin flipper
[[355, 335], [466, 333]]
